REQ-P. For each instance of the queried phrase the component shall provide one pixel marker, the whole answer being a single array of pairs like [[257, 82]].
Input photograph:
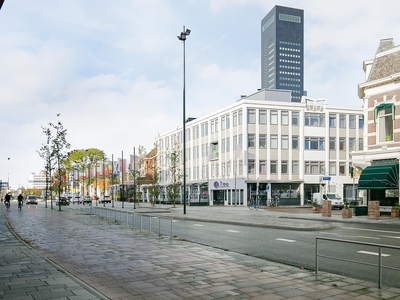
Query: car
[[31, 199], [62, 201], [87, 199], [105, 199], [75, 199]]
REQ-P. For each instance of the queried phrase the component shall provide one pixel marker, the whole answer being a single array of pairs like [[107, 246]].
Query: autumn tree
[[174, 173]]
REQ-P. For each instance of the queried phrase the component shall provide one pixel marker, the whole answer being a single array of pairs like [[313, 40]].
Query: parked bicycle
[[254, 203], [274, 202]]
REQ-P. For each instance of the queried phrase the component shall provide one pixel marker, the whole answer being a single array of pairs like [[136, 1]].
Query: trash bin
[[360, 210]]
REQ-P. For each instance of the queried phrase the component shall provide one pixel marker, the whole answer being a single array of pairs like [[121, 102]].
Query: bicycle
[[273, 202], [254, 204], [7, 204], [20, 205]]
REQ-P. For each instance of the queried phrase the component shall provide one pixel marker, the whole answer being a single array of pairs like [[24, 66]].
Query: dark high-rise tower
[[282, 51]]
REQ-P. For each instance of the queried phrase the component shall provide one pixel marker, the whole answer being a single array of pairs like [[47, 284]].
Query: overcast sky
[[113, 69]]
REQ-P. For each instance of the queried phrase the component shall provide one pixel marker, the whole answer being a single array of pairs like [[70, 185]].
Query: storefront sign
[[219, 184]]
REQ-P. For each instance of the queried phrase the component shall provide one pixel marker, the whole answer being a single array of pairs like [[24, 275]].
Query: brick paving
[[69, 254]]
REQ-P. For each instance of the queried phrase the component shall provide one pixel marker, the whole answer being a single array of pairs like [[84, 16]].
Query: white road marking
[[234, 231], [390, 236], [286, 240], [367, 237], [198, 225], [333, 233], [373, 230], [372, 253]]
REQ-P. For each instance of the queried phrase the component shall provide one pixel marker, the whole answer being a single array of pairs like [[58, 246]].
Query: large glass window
[[314, 167], [240, 117], [332, 143], [263, 140], [342, 168], [332, 168], [274, 169], [223, 146], [284, 167], [385, 124], [228, 122], [274, 141], [263, 116], [284, 118], [222, 123], [332, 121], [352, 121], [284, 142], [295, 167], [295, 118], [352, 144], [251, 116], [252, 168], [263, 167], [314, 143], [342, 143], [228, 144], [251, 140], [360, 122], [342, 121], [274, 117], [295, 142], [234, 119], [314, 119]]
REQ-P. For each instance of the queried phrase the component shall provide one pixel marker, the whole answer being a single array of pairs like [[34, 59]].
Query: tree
[[58, 145], [174, 174], [154, 189], [45, 153]]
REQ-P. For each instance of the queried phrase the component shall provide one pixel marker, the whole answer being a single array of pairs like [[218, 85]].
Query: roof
[[387, 60]]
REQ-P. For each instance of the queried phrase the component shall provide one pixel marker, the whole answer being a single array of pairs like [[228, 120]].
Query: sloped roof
[[385, 65]]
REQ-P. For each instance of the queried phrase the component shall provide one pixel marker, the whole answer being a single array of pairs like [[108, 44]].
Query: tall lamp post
[[8, 174], [182, 37]]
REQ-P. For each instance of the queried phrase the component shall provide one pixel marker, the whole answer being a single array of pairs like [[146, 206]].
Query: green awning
[[379, 177], [383, 105]]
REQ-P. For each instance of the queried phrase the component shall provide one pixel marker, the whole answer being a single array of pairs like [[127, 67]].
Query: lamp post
[[182, 37], [8, 174]]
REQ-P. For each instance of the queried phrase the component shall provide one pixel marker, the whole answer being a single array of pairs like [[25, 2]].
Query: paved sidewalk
[[122, 263]]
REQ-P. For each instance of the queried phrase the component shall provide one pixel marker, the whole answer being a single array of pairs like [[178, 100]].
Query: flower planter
[[347, 213]]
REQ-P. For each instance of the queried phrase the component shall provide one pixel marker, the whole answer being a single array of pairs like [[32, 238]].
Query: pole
[[134, 179], [122, 180], [104, 185], [8, 178], [112, 179]]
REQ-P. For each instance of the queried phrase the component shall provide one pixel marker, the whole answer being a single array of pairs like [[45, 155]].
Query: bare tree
[[45, 153], [174, 174]]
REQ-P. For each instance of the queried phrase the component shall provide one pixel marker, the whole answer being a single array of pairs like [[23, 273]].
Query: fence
[[138, 220], [379, 265]]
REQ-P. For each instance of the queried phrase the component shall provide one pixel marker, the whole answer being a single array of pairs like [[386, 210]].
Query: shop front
[[227, 192]]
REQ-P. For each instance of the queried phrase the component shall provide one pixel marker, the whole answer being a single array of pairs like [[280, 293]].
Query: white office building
[[37, 181], [267, 145]]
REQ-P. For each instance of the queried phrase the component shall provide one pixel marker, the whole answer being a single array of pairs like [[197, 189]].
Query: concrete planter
[[347, 213]]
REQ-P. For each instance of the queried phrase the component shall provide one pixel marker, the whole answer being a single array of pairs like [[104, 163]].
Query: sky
[[113, 70]]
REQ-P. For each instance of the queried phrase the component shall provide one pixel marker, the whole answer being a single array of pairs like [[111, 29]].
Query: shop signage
[[218, 184]]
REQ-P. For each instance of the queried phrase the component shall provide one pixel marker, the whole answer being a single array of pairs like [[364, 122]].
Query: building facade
[[282, 51], [378, 160], [37, 181], [266, 145]]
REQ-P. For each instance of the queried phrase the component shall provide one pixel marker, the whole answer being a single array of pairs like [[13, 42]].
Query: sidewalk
[[99, 259]]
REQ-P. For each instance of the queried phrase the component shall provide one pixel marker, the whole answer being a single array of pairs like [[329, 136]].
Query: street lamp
[[8, 179], [182, 37]]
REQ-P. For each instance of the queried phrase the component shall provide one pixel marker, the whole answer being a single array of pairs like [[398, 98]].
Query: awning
[[381, 106], [379, 177]]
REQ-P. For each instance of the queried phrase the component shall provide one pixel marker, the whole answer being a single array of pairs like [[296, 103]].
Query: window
[[240, 117], [342, 121], [223, 169], [228, 122], [206, 129], [352, 144], [314, 119], [223, 146], [273, 167], [332, 143], [285, 118], [332, 121], [332, 168], [295, 118], [188, 135], [263, 167], [263, 117], [295, 142], [251, 140], [214, 150], [240, 167], [222, 123], [240, 140], [385, 124], [202, 129], [314, 167], [284, 167], [360, 144], [352, 121], [284, 142], [251, 116], [228, 168], [342, 143], [234, 140], [274, 141], [212, 126], [228, 144], [342, 168], [252, 168], [274, 117], [360, 122], [263, 140], [295, 167], [216, 125], [314, 143], [234, 119]]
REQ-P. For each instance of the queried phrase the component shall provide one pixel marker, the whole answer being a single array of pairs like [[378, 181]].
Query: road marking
[[389, 236], [374, 230], [368, 237], [234, 231], [334, 233], [372, 253], [198, 225], [286, 240]]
